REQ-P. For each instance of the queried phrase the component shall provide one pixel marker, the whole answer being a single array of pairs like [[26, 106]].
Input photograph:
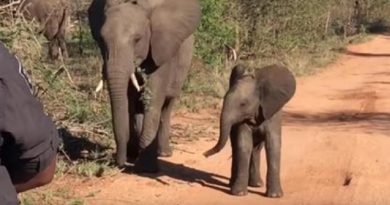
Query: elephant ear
[[237, 72], [142, 46], [276, 86], [171, 23]]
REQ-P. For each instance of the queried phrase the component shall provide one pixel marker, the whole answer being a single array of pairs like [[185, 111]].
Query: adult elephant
[[251, 115], [155, 36], [53, 17]]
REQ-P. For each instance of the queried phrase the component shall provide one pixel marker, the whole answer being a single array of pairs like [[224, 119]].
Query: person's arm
[[8, 194]]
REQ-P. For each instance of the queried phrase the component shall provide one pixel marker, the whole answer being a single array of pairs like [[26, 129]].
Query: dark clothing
[[29, 137], [7, 190]]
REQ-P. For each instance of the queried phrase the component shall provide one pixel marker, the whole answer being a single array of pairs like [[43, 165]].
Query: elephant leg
[[147, 161], [254, 169], [62, 45], [139, 118], [233, 137], [136, 116], [132, 145], [63, 23], [164, 149], [273, 149], [243, 144], [53, 49], [50, 30]]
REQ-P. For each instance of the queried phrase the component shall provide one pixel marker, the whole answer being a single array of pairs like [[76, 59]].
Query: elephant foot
[[239, 190], [65, 54], [120, 161], [274, 192], [165, 154], [147, 161], [146, 164], [255, 182], [131, 160], [132, 156], [54, 55]]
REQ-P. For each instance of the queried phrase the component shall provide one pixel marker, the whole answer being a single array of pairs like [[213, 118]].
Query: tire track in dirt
[[335, 146]]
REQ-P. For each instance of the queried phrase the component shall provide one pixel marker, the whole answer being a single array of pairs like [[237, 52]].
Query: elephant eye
[[136, 40], [137, 37], [244, 103]]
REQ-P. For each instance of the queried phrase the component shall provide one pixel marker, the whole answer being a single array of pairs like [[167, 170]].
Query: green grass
[[57, 196]]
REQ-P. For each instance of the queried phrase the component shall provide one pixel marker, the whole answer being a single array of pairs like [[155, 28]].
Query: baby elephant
[[252, 116], [53, 16]]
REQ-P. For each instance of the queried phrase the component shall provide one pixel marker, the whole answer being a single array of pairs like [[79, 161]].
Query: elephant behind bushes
[[53, 17]]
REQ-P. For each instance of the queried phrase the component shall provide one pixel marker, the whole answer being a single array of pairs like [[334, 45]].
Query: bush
[[214, 32], [302, 34]]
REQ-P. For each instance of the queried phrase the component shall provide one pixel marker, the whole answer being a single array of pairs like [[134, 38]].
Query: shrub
[[214, 32]]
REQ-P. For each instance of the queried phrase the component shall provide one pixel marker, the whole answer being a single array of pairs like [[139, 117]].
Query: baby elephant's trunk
[[225, 127]]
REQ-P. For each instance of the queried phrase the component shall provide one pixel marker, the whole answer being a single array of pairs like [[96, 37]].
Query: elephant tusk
[[135, 82], [99, 86], [234, 54]]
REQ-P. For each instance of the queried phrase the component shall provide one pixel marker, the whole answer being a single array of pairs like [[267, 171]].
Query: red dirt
[[336, 146]]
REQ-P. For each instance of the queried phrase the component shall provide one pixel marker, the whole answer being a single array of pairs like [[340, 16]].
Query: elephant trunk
[[119, 71], [117, 87], [225, 128]]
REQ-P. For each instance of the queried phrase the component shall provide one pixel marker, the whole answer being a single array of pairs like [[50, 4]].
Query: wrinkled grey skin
[[155, 35], [53, 17], [251, 115]]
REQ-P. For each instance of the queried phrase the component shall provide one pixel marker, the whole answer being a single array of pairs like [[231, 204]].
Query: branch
[[10, 4]]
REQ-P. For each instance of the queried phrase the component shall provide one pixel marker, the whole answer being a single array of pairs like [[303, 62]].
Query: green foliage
[[268, 28], [214, 32], [302, 34], [91, 169], [26, 200]]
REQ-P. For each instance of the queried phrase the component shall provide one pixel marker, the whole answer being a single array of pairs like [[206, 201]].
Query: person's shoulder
[[3, 50], [6, 58]]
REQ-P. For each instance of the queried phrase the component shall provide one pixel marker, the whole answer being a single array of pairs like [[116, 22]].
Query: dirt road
[[336, 146]]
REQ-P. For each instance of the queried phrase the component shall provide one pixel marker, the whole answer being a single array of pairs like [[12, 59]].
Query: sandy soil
[[336, 146]]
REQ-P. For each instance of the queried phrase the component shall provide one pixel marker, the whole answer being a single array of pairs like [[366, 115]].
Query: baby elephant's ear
[[237, 72], [276, 86], [172, 22]]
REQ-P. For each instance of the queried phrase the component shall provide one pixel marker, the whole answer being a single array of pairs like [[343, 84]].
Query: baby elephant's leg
[[273, 148], [242, 145], [254, 170]]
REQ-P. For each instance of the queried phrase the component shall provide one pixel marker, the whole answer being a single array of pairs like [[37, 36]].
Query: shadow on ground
[[80, 148], [367, 122], [190, 175], [361, 54], [379, 82], [381, 73]]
